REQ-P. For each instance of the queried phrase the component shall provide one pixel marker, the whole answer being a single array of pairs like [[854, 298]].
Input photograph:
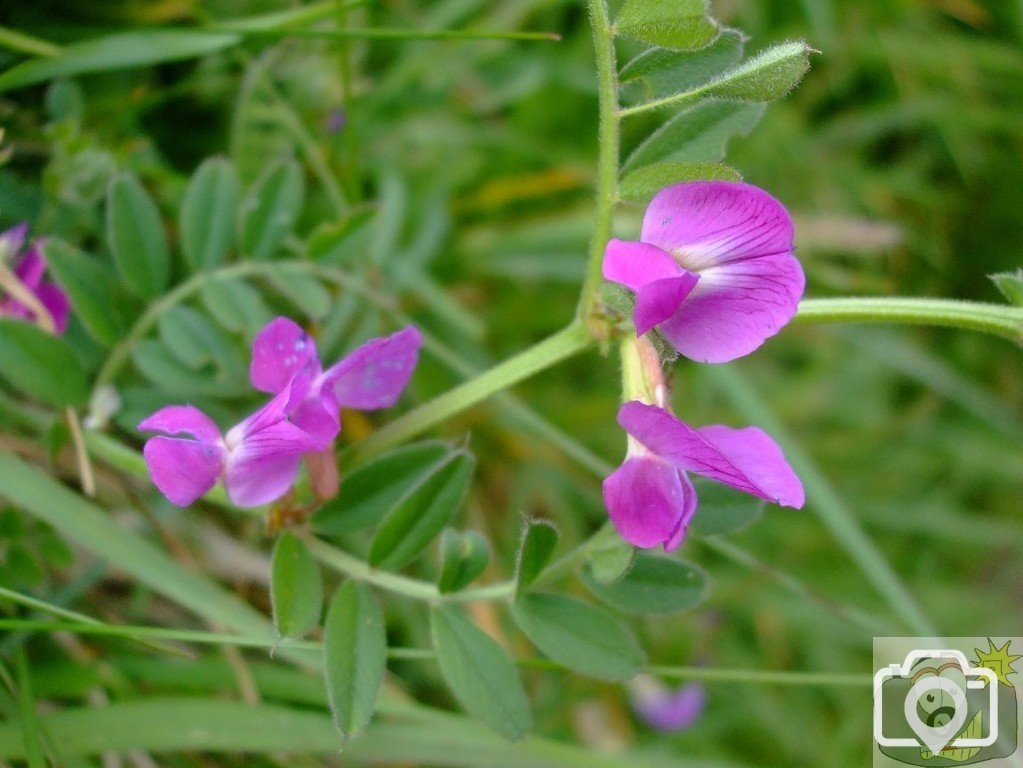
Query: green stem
[[709, 674], [19, 42], [761, 677], [358, 569], [368, 33], [998, 319], [539, 357], [607, 161]]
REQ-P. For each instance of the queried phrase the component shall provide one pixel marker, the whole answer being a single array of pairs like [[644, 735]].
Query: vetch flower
[[372, 377], [650, 498], [257, 459], [713, 271], [665, 709], [29, 271]]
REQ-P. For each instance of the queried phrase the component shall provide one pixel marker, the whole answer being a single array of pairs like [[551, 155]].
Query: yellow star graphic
[[998, 660]]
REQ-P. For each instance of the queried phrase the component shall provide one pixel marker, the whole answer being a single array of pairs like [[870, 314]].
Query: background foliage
[[900, 157]]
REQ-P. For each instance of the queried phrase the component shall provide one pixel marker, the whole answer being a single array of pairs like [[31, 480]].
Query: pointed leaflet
[[208, 214], [609, 560], [658, 585], [136, 238], [578, 635], [680, 24], [539, 537], [643, 183], [41, 366], [235, 304], [480, 673], [663, 73], [94, 297], [463, 556], [296, 587], [355, 656], [373, 489], [269, 210], [422, 513]]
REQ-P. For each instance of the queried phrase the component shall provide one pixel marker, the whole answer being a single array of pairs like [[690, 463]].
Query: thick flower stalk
[[713, 270], [35, 293], [258, 459]]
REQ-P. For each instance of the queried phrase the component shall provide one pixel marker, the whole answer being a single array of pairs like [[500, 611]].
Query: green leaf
[[41, 366], [663, 73], [296, 587], [305, 293], [579, 636], [112, 52], [96, 300], [1011, 285], [480, 673], [611, 559], [724, 510], [422, 513], [643, 183], [136, 237], [197, 343], [208, 214], [355, 656], [337, 241], [767, 76], [463, 556], [539, 537], [235, 304], [697, 134], [657, 585], [679, 24], [374, 488], [270, 208], [155, 361]]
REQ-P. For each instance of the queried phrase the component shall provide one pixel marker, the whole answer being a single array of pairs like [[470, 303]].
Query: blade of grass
[[825, 501], [27, 713]]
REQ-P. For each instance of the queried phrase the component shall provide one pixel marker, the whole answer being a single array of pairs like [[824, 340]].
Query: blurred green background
[[901, 158]]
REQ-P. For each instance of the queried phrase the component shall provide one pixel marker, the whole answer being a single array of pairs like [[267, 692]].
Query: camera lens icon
[[935, 702]]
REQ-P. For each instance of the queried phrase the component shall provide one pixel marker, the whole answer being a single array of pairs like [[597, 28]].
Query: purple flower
[[714, 270], [29, 271], [257, 459], [666, 709], [371, 377], [650, 497]]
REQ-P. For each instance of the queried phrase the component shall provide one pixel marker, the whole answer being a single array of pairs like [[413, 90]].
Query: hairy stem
[[998, 319], [607, 161]]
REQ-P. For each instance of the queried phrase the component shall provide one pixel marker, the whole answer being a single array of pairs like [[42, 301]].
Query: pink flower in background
[[650, 497], [370, 378], [257, 459], [665, 709], [713, 271], [29, 270]]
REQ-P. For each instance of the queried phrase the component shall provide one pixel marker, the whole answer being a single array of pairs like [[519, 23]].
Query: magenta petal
[[274, 412], [649, 501], [183, 470], [709, 223], [31, 268], [182, 419], [735, 308], [374, 375], [690, 450], [279, 351], [761, 459], [57, 304], [319, 417], [256, 478], [636, 264], [668, 710], [661, 299]]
